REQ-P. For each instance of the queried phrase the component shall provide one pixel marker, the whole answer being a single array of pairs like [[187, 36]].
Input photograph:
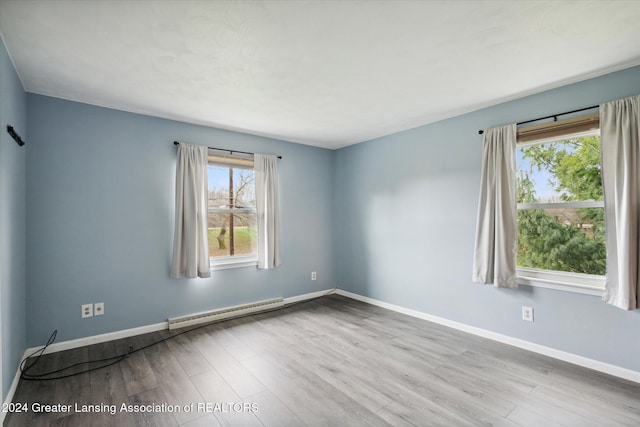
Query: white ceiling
[[324, 73]]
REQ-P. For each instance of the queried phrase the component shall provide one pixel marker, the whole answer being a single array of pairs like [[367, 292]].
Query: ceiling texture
[[322, 73]]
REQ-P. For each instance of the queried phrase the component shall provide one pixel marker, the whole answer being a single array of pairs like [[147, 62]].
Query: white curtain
[[619, 123], [190, 241], [267, 209], [496, 244]]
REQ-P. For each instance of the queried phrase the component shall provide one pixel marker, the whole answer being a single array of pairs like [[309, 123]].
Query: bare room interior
[[320, 213]]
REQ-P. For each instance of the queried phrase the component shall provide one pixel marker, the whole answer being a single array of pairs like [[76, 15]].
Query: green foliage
[[546, 242], [575, 165], [563, 239]]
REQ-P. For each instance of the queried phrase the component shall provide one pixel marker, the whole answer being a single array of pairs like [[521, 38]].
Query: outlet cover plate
[[527, 313], [98, 309], [87, 310]]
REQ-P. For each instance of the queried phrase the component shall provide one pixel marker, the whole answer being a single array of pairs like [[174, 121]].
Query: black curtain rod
[[554, 116], [15, 136], [225, 149]]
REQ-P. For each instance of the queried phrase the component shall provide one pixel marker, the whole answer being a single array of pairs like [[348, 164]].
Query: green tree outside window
[[562, 238]]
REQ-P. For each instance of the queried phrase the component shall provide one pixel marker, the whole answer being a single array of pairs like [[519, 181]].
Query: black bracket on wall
[[15, 136]]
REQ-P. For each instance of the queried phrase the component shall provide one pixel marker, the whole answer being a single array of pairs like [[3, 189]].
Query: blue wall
[[100, 198], [13, 111], [405, 208]]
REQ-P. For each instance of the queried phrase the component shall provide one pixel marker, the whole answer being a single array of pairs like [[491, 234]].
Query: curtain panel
[[268, 211], [190, 241], [620, 150], [496, 242]]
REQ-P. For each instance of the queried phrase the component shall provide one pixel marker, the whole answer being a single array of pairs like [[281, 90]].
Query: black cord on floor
[[25, 367]]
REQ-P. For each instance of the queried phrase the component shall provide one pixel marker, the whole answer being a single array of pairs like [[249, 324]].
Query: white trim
[[575, 359], [588, 284], [557, 286], [96, 339], [233, 261], [561, 205], [234, 210], [311, 295]]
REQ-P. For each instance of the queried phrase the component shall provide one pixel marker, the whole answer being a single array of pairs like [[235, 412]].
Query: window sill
[[569, 282], [223, 263]]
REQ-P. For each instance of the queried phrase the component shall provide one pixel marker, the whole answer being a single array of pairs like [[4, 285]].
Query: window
[[561, 227], [232, 219]]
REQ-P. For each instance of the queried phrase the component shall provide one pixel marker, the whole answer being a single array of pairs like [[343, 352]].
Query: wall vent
[[224, 313]]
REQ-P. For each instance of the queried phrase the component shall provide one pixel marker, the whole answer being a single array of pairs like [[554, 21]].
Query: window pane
[[567, 170], [569, 240], [232, 234], [231, 187], [245, 233]]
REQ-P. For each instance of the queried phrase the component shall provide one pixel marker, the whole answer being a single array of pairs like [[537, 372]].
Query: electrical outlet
[[313, 275], [87, 310], [98, 309], [527, 313]]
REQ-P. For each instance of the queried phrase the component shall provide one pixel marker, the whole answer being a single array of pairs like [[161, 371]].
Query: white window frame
[[235, 261], [230, 261], [588, 284]]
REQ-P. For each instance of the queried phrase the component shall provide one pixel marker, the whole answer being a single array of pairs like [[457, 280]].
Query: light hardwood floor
[[329, 362]]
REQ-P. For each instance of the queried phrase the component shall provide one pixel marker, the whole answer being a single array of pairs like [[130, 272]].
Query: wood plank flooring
[[328, 362]]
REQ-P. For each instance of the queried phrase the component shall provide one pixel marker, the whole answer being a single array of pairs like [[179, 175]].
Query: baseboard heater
[[224, 313]]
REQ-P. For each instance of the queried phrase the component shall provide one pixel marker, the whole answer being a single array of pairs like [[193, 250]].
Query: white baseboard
[[312, 295], [575, 359], [96, 339]]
